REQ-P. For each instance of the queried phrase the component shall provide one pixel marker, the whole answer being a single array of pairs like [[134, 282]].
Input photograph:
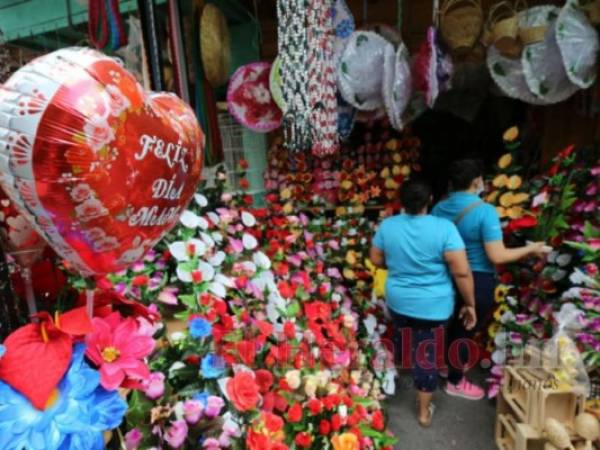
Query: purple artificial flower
[[177, 433], [154, 386], [133, 438], [168, 296], [214, 405], [192, 411]]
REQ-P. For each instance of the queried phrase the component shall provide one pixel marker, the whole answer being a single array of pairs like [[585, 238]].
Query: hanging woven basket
[[503, 29], [461, 22]]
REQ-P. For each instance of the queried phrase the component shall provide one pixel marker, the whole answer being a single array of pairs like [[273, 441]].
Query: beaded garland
[[293, 51], [322, 85]]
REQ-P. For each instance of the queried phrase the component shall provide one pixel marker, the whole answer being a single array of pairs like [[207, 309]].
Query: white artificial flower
[[261, 260], [507, 317], [217, 259], [201, 200], [248, 219], [499, 357], [177, 365], [370, 323], [208, 240], [189, 219], [178, 251], [564, 259], [217, 237], [208, 271], [224, 280], [202, 223], [178, 410], [184, 275], [213, 217], [249, 241], [218, 289], [501, 339]]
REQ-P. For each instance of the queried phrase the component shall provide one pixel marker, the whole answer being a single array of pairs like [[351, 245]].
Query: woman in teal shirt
[[423, 254], [479, 226]]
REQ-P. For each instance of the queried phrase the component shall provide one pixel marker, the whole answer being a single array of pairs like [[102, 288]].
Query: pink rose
[[154, 386], [118, 102], [98, 133], [192, 411], [177, 433], [81, 192], [132, 439], [211, 444], [214, 405]]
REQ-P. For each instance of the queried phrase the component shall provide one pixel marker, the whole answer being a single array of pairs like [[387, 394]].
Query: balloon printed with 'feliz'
[[100, 167]]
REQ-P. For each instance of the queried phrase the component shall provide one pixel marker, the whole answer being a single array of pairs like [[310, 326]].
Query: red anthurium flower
[[38, 354], [295, 413], [303, 440], [324, 427]]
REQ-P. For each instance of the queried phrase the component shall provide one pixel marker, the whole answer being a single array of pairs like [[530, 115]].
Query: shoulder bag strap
[[460, 216]]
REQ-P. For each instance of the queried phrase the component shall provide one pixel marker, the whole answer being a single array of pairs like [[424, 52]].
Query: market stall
[[190, 268]]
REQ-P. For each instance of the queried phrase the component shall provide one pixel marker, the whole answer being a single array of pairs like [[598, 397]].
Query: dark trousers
[[420, 346], [462, 352]]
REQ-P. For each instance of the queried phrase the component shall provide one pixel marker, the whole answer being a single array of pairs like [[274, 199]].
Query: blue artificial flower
[[212, 366], [199, 328], [76, 418], [202, 397], [2, 350]]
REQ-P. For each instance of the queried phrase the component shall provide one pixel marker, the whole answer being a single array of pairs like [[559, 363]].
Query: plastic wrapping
[[397, 85], [561, 356], [99, 167]]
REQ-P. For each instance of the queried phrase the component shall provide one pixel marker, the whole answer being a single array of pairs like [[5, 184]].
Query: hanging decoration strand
[[293, 50]]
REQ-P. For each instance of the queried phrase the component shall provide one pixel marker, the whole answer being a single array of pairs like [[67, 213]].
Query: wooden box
[[520, 389], [528, 438], [563, 406], [506, 433]]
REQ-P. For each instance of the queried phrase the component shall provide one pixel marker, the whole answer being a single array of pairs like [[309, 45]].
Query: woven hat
[[275, 84], [249, 100], [397, 85], [343, 27], [578, 43], [215, 45], [542, 62], [360, 73], [431, 68]]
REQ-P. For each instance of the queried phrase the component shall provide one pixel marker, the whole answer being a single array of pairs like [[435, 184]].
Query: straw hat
[[360, 73], [215, 45], [275, 84], [396, 85], [578, 42]]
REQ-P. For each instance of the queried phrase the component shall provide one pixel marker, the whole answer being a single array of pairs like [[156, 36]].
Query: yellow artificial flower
[[345, 441], [385, 172], [351, 257], [520, 197], [349, 274], [340, 211], [501, 212], [346, 184], [515, 212], [286, 193], [396, 169], [391, 184], [392, 144], [505, 161], [492, 197], [405, 170], [397, 157], [288, 208], [514, 182], [500, 181], [510, 135], [500, 311], [506, 199], [501, 293]]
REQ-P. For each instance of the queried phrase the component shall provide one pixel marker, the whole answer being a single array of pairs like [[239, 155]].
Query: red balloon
[[102, 168]]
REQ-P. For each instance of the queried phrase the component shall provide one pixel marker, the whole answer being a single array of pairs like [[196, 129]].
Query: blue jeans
[[459, 358], [420, 346]]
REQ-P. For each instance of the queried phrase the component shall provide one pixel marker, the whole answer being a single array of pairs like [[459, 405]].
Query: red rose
[[281, 403], [289, 329], [272, 422], [315, 406], [303, 440], [243, 164], [336, 422], [244, 183], [295, 413], [243, 391], [246, 351], [140, 280], [264, 379], [377, 420], [265, 328], [257, 441], [324, 427]]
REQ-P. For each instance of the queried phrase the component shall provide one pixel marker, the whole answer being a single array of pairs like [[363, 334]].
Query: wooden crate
[[506, 433], [563, 406], [520, 389], [528, 438]]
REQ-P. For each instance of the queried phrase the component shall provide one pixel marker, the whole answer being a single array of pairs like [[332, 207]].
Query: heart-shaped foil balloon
[[101, 168]]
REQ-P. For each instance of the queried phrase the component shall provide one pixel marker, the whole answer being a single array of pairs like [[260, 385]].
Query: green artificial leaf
[[344, 68], [234, 336], [293, 309], [139, 407], [362, 39], [182, 315], [188, 300]]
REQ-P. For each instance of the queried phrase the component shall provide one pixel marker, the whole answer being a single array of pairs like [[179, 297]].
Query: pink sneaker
[[465, 389], [443, 373]]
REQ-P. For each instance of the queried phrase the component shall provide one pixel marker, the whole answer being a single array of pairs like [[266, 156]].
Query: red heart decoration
[[101, 168]]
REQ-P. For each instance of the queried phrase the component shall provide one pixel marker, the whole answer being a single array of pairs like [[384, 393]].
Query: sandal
[[427, 423]]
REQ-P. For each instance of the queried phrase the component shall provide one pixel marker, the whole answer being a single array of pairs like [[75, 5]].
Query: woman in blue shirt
[[423, 254], [479, 226]]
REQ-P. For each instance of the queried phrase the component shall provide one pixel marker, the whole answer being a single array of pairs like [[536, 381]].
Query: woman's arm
[[497, 253], [377, 257], [461, 272]]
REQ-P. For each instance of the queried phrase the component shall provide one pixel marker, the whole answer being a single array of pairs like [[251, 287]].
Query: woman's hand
[[468, 316]]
